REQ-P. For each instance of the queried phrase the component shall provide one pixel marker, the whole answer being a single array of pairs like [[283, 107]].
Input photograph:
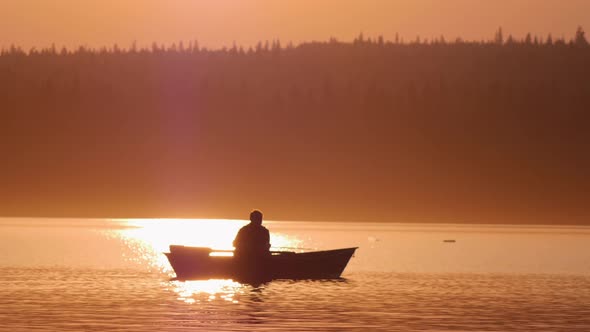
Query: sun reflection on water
[[148, 239], [159, 234], [196, 291]]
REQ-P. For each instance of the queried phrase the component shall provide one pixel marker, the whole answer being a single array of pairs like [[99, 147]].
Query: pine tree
[[510, 40], [528, 40], [155, 48], [549, 41], [580, 39], [499, 37]]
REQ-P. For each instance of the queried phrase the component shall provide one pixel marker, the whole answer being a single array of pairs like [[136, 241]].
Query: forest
[[373, 129]]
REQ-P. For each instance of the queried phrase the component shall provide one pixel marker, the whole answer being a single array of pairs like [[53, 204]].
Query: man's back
[[252, 239]]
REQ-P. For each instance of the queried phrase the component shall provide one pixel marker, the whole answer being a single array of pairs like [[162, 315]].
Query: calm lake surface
[[98, 275]]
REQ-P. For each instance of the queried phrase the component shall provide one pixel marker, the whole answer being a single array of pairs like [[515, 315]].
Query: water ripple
[[64, 299]]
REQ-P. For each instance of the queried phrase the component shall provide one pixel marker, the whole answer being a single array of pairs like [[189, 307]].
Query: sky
[[95, 23]]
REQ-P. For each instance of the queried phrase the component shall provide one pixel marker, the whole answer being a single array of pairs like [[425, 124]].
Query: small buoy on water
[[373, 239]]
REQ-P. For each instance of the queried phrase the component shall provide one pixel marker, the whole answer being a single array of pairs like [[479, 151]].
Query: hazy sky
[[220, 22]]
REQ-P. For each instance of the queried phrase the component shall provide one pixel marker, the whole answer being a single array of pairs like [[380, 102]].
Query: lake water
[[98, 275]]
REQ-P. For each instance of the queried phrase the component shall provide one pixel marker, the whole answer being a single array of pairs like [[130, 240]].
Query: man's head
[[256, 217]]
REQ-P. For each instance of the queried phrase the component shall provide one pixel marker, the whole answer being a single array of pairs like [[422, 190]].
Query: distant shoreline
[[433, 223]]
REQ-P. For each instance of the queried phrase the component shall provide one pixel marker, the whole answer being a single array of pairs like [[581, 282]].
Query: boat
[[198, 263]]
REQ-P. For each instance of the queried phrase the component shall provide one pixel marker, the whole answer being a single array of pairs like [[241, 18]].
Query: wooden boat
[[204, 263]]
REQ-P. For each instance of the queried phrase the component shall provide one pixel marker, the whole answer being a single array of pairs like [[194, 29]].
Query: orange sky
[[220, 22]]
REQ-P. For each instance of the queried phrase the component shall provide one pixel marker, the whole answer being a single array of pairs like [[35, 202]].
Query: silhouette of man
[[253, 240]]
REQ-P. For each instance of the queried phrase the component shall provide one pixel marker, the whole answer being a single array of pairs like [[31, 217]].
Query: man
[[253, 240]]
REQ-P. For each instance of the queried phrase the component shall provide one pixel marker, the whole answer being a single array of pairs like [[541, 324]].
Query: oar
[[271, 251], [180, 247], [295, 248]]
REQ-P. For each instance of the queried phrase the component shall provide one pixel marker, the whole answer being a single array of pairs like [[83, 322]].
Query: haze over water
[[99, 274]]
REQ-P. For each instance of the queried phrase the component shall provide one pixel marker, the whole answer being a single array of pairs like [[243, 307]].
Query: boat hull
[[196, 263]]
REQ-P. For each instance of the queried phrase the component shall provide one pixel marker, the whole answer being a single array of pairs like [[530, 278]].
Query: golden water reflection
[[148, 239], [197, 291], [213, 233]]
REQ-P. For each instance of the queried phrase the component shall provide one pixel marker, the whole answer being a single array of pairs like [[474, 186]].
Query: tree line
[[460, 126]]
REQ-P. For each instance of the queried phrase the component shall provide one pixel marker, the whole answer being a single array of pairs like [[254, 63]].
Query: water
[[97, 275]]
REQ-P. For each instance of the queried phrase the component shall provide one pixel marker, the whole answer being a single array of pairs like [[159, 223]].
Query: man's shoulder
[[245, 228], [249, 227], [260, 228], [254, 228]]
